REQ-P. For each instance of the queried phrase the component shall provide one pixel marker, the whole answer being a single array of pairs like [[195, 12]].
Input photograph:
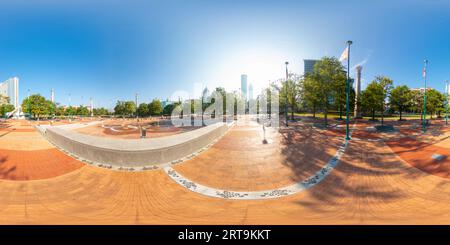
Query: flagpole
[[285, 96], [347, 137], [424, 120]]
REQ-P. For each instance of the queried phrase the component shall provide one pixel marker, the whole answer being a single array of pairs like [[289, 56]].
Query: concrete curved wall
[[134, 152]]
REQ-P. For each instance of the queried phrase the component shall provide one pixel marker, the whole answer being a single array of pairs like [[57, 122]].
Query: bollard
[[264, 132]]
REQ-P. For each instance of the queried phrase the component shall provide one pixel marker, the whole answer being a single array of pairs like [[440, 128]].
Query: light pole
[[285, 95], [28, 105], [424, 120], [136, 102], [447, 88], [347, 127], [92, 106], [70, 108]]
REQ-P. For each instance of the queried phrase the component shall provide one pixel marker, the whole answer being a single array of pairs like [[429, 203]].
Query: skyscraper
[[10, 88], [308, 66], [205, 94], [244, 86], [250, 91]]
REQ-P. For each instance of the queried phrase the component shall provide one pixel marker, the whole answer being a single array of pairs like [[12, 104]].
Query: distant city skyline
[[159, 47]]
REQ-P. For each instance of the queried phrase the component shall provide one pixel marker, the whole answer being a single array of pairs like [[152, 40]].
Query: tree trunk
[[373, 114], [292, 113], [314, 111], [340, 111], [382, 117], [400, 115]]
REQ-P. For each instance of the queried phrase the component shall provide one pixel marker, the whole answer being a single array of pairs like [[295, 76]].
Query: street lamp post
[[92, 106], [347, 127], [285, 95], [70, 107], [447, 88], [136, 102], [424, 119], [28, 104]]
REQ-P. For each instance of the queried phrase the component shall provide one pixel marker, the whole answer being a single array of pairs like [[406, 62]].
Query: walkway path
[[370, 185]]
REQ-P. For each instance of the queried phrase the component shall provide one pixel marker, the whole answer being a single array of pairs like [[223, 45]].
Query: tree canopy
[[38, 106], [401, 99]]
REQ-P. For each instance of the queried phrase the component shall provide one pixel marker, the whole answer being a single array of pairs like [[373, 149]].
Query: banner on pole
[[344, 55]]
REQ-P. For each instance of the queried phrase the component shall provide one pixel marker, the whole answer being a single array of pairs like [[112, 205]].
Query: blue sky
[[110, 50]]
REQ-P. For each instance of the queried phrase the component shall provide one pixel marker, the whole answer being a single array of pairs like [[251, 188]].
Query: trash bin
[[143, 133]]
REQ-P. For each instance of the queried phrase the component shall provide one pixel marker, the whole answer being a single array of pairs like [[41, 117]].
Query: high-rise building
[[250, 91], [10, 89], [205, 94], [244, 86], [309, 66]]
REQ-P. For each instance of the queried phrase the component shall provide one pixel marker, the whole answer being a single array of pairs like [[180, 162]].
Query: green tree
[[4, 99], [82, 111], [167, 111], [125, 108], [119, 109], [130, 108], [60, 111], [400, 99], [70, 111], [372, 98], [290, 89], [340, 92], [5, 108], [417, 102], [327, 73], [38, 106], [143, 110], [435, 102], [222, 92], [311, 93], [386, 85], [155, 107], [100, 111]]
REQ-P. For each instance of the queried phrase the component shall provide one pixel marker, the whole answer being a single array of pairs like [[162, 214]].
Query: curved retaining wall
[[134, 152]]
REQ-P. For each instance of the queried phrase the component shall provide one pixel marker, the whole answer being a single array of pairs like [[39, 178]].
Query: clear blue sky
[[109, 50]]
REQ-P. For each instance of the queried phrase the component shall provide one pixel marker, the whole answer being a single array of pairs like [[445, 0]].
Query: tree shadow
[[361, 174], [6, 172]]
